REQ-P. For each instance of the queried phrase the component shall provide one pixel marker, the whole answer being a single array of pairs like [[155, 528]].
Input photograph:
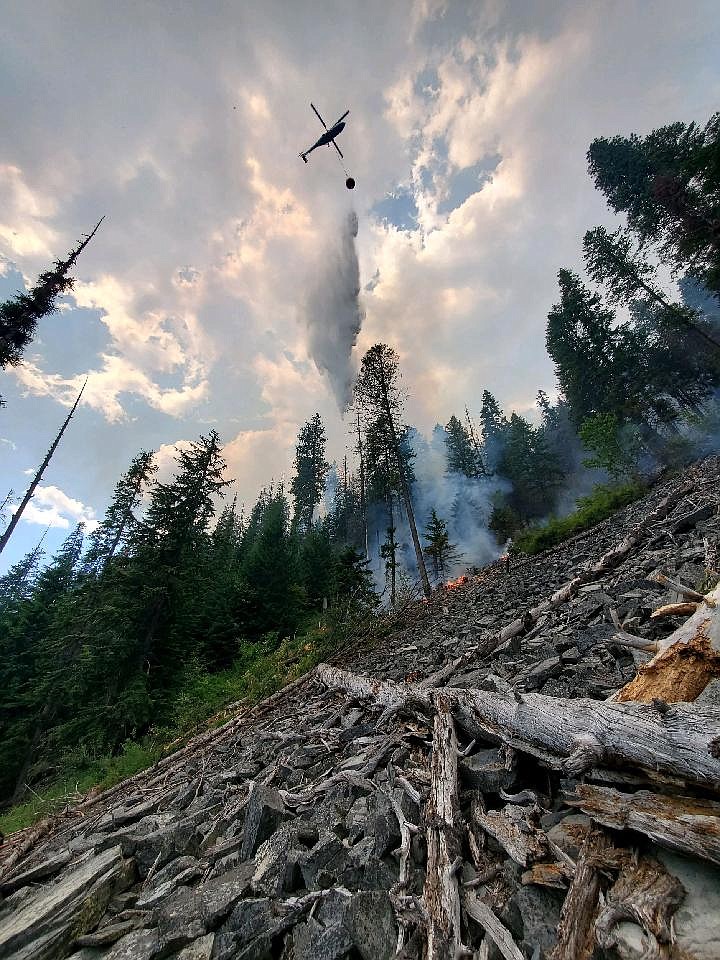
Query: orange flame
[[457, 582]]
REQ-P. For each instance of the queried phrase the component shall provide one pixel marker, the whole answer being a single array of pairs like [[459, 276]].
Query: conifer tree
[[388, 553], [19, 316], [462, 453], [668, 186], [120, 522], [611, 260], [438, 548], [378, 394], [311, 468]]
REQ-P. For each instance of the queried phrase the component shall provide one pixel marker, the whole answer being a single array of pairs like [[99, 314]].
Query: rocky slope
[[376, 808]]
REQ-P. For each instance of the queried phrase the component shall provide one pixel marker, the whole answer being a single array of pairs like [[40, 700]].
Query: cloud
[[51, 507], [184, 131]]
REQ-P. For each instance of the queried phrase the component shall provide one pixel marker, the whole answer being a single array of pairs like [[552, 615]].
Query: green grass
[[198, 704], [604, 500]]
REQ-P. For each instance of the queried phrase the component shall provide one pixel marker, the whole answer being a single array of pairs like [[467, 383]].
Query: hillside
[[462, 786]]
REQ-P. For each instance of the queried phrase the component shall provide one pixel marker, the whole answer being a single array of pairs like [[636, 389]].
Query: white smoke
[[333, 314]]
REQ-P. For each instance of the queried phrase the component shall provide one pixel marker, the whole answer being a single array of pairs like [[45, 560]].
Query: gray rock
[[541, 672], [263, 815], [710, 697], [138, 945], [539, 909], [198, 950], [248, 928], [47, 867], [324, 862], [485, 770], [696, 920], [277, 863], [48, 920]]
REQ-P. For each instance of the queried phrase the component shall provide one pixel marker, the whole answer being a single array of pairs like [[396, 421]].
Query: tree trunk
[[569, 735], [38, 476], [686, 661]]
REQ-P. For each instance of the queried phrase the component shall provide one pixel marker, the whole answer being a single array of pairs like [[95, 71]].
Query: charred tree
[[38, 476]]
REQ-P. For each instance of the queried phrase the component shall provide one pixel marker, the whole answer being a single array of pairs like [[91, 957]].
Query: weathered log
[[495, 930], [574, 735], [681, 589], [576, 937], [682, 823], [442, 816], [686, 662]]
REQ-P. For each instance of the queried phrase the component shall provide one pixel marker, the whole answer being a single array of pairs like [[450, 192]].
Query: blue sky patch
[[467, 181], [398, 208]]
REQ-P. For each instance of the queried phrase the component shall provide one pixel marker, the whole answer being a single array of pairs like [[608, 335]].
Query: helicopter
[[329, 138]]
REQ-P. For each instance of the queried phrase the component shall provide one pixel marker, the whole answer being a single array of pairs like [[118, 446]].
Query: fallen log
[[441, 895], [572, 735], [686, 824]]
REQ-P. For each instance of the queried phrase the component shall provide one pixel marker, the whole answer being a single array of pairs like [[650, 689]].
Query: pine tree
[[19, 316], [311, 468], [388, 553], [378, 395], [583, 341], [611, 260], [120, 523], [492, 426], [438, 549], [462, 453], [668, 186]]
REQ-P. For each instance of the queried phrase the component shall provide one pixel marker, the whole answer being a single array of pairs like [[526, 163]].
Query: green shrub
[[604, 500]]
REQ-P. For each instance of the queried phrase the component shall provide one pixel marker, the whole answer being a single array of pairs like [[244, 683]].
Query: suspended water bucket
[[350, 183]]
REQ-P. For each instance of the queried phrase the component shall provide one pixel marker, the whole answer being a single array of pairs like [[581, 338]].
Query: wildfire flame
[[457, 582]]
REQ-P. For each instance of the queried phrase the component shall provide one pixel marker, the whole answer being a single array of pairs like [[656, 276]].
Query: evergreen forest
[[182, 601]]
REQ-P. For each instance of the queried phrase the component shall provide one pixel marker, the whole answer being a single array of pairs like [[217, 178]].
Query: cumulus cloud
[[51, 507], [185, 130]]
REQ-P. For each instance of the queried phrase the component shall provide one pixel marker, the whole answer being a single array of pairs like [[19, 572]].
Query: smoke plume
[[333, 313]]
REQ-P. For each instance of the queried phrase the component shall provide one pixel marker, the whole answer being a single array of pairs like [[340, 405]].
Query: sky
[[196, 305]]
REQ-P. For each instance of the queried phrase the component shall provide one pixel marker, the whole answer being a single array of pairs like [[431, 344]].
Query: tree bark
[[686, 661], [572, 735], [441, 894], [686, 824]]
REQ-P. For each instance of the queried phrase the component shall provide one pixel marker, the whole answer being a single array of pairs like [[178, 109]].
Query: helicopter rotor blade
[[318, 115], [341, 118], [338, 148]]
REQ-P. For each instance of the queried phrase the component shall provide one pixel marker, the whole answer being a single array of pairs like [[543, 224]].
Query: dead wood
[[684, 591], [576, 937], [686, 662], [495, 930], [554, 875], [573, 735], [684, 609], [686, 824], [646, 894], [442, 826], [608, 561], [512, 830]]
